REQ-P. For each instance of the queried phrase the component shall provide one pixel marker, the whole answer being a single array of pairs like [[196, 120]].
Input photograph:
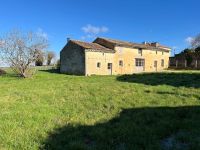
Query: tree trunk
[[23, 75]]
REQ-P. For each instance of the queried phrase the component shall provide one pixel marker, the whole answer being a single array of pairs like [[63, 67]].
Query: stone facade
[[87, 59], [72, 59]]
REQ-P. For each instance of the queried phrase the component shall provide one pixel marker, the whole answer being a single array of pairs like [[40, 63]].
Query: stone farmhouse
[[112, 57]]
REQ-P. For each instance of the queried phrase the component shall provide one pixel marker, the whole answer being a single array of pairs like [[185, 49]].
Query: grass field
[[142, 111]]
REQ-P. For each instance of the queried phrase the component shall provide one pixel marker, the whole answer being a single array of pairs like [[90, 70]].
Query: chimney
[[145, 43], [156, 44]]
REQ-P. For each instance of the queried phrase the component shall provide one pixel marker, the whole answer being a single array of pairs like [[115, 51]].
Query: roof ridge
[[88, 43], [79, 41], [116, 41], [92, 46]]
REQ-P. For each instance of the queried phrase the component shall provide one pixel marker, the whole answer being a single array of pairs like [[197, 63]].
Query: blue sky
[[169, 22]]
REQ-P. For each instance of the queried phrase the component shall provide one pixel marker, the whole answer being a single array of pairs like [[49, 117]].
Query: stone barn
[[112, 57]]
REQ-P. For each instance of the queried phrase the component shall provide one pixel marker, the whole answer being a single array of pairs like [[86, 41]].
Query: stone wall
[[180, 61], [72, 59], [172, 62]]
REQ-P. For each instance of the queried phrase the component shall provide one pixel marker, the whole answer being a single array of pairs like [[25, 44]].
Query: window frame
[[121, 63], [109, 66], [98, 64], [139, 62]]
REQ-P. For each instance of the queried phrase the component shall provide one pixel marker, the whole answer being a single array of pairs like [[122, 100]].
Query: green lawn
[[143, 111]]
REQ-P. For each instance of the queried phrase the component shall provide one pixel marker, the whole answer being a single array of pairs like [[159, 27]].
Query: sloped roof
[[131, 44], [92, 46]]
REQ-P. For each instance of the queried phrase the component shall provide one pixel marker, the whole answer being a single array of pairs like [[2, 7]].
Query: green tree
[[188, 55], [197, 52]]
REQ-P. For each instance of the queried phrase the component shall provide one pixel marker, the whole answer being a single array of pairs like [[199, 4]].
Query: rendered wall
[[128, 56], [92, 58]]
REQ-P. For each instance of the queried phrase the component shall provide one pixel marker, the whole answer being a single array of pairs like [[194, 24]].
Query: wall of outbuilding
[[94, 57], [72, 59]]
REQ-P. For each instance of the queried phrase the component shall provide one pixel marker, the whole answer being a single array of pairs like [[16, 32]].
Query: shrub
[[2, 72], [58, 64]]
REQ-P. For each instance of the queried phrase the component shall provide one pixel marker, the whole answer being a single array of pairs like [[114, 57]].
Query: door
[[110, 68], [156, 65]]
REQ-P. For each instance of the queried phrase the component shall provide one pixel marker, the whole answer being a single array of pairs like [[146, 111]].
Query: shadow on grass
[[172, 79], [195, 95], [57, 71], [51, 70], [140, 128], [11, 75]]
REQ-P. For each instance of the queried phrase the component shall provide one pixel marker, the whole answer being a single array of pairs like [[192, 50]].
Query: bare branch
[[196, 41], [50, 55], [18, 49]]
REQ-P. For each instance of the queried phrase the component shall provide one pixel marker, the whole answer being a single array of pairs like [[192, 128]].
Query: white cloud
[[189, 39], [89, 29], [89, 36], [41, 33]]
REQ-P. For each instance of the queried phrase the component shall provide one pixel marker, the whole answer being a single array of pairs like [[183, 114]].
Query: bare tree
[[50, 56], [40, 59], [196, 41], [19, 50]]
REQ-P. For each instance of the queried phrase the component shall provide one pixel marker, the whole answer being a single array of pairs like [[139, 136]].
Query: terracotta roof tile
[[131, 44], [92, 46]]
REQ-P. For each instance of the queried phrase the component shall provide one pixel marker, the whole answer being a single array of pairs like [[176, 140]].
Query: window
[[162, 62], [140, 51], [98, 65], [121, 63], [139, 62], [109, 65]]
